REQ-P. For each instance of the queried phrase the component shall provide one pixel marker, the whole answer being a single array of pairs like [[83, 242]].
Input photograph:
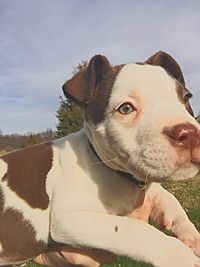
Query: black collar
[[139, 184]]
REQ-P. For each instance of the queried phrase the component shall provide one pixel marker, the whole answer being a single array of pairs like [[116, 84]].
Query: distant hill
[[16, 141]]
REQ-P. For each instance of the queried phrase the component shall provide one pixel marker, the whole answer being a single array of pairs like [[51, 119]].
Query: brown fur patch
[[182, 93], [95, 111], [168, 63], [27, 172], [173, 69], [17, 237]]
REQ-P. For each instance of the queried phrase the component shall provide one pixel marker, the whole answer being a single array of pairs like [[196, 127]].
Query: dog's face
[[138, 117]]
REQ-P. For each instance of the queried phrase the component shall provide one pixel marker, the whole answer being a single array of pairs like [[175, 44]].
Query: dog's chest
[[87, 183], [142, 209], [132, 205]]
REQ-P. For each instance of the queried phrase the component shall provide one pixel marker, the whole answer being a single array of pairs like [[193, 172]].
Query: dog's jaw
[[102, 147]]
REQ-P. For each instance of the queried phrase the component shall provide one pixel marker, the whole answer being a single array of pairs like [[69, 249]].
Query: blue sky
[[42, 40]]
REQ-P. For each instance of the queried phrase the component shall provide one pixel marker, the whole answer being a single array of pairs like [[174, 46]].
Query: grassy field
[[188, 193]]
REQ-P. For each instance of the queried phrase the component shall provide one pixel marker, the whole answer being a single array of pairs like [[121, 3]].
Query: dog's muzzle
[[185, 138]]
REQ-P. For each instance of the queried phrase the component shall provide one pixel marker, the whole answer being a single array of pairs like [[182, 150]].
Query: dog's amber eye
[[126, 108]]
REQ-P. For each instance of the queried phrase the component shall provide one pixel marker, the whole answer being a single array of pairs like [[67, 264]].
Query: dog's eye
[[126, 108]]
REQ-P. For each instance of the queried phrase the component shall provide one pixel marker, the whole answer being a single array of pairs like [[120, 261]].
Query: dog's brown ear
[[168, 63], [171, 66], [82, 87]]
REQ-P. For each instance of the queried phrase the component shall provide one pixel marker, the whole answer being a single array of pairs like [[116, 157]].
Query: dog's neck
[[108, 158], [102, 149]]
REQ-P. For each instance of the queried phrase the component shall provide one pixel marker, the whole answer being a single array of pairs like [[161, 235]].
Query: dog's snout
[[185, 135]]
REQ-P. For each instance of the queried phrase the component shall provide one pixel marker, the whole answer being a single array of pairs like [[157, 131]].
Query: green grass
[[121, 262], [188, 193], [125, 262], [2, 152]]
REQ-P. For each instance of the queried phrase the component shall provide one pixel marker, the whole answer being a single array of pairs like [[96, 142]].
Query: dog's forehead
[[151, 84], [147, 81]]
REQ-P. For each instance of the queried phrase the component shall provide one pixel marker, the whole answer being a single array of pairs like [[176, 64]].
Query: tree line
[[16, 141]]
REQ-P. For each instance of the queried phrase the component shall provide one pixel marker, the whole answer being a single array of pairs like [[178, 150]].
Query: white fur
[[1, 248], [3, 168]]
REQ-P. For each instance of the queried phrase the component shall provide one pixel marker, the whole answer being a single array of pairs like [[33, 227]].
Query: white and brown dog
[[84, 189]]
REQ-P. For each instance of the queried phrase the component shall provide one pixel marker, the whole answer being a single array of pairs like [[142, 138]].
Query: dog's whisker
[[103, 161], [137, 166], [146, 178], [138, 169], [93, 130], [117, 169]]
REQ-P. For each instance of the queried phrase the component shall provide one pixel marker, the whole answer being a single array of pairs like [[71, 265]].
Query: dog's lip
[[186, 158], [196, 161], [183, 161], [148, 176], [196, 156]]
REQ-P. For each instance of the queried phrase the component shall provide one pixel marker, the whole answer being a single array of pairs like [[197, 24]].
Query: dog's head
[[138, 117]]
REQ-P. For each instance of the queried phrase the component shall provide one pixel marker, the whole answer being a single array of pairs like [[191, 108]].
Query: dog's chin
[[163, 174]]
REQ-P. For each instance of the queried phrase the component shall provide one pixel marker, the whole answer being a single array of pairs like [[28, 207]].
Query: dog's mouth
[[160, 169], [196, 155], [185, 172], [185, 156]]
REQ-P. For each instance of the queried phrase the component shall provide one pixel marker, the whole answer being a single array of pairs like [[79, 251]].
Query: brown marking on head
[[95, 111], [168, 63], [171, 66], [91, 87], [27, 172], [17, 237]]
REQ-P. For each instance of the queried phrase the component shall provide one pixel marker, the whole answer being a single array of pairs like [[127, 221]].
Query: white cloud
[[41, 42]]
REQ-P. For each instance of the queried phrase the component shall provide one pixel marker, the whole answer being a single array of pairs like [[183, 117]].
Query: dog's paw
[[180, 255], [185, 231], [188, 258]]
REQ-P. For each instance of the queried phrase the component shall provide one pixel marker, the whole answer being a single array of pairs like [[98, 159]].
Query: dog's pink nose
[[185, 135]]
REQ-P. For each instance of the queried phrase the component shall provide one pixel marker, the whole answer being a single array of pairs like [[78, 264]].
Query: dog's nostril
[[184, 134]]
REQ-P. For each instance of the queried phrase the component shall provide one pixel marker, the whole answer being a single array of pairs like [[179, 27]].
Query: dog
[[83, 189]]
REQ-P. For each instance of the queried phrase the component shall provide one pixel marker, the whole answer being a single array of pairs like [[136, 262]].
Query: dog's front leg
[[122, 236], [167, 212]]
